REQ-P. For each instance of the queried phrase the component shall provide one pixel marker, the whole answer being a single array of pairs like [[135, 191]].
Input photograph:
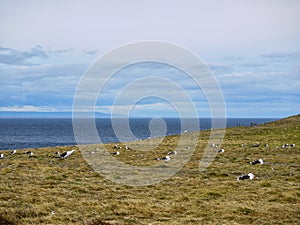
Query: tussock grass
[[46, 190]]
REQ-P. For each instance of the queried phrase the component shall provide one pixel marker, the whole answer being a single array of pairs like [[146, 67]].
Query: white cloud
[[26, 108], [160, 109]]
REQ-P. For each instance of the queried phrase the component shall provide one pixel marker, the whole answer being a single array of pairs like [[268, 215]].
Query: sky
[[251, 47]]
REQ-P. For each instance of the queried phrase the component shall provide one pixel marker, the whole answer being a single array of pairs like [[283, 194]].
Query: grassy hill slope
[[47, 190]]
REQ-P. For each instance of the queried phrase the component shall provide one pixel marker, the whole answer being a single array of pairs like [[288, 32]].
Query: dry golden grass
[[47, 190]]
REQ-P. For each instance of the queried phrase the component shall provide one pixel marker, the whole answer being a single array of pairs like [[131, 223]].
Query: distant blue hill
[[45, 115]]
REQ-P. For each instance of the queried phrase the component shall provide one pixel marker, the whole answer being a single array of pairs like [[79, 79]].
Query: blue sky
[[251, 46]]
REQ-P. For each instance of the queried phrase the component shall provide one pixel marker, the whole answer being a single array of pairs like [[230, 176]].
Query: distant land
[[45, 115]]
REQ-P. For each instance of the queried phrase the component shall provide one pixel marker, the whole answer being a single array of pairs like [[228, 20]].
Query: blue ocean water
[[36, 133]]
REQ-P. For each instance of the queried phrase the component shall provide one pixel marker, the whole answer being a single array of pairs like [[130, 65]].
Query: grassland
[[44, 189]]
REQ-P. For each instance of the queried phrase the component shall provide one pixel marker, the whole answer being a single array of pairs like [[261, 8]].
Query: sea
[[41, 132]]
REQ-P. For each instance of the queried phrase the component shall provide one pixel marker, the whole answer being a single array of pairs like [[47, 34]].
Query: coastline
[[47, 189], [45, 132]]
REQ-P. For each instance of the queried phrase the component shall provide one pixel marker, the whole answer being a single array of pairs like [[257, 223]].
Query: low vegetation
[[44, 189]]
